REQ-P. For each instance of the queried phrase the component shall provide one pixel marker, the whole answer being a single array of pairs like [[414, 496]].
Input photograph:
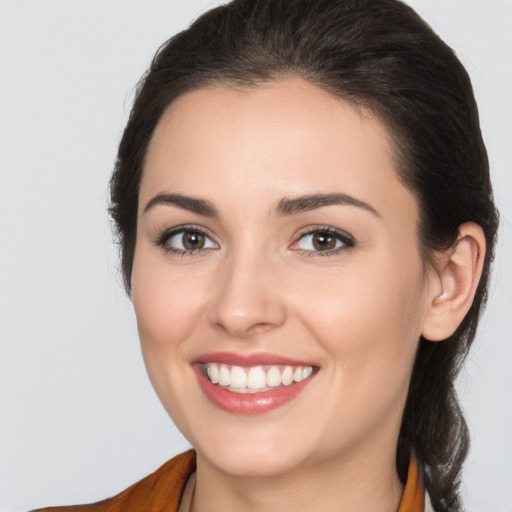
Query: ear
[[453, 283]]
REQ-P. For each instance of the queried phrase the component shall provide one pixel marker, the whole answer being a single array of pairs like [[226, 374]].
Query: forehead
[[276, 139]]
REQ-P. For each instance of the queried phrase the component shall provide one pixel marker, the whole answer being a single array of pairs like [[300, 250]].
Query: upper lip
[[256, 359]]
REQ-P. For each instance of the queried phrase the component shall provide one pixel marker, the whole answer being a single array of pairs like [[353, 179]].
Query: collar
[[414, 499]]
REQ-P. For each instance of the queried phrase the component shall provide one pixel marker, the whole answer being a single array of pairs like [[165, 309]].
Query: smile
[[252, 384], [254, 379]]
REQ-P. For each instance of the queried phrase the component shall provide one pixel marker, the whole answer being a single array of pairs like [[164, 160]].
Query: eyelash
[[163, 238], [347, 241]]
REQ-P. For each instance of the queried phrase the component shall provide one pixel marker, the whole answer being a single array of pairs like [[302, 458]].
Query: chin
[[252, 461]]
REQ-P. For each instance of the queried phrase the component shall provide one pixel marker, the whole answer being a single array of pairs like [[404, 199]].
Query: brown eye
[[186, 241], [192, 241], [327, 241], [323, 242]]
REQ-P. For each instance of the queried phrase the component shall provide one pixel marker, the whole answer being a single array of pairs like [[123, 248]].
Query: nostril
[[244, 301], [241, 329]]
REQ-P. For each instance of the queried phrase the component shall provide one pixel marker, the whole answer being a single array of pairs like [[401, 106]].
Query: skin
[[257, 286]]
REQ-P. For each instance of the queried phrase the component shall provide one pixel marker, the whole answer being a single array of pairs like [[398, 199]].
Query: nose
[[247, 299]]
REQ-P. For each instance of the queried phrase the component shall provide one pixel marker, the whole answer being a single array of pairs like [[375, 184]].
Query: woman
[[303, 203]]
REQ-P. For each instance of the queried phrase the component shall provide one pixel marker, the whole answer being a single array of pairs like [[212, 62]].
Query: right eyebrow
[[192, 204], [290, 206]]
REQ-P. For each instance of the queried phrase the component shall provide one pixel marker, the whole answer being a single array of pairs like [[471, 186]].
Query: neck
[[356, 484]]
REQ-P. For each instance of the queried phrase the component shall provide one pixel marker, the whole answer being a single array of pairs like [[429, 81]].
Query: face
[[277, 280]]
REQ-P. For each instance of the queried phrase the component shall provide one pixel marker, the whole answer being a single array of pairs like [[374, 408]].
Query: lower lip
[[249, 403]]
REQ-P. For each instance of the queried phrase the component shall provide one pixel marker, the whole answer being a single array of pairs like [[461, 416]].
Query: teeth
[[238, 378], [257, 378], [306, 372], [287, 376], [274, 377], [213, 373], [224, 376]]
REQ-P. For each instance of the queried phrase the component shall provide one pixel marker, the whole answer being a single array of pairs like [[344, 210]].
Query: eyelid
[[163, 237], [348, 241]]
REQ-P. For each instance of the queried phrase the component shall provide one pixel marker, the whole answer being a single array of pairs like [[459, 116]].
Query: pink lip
[[249, 403], [258, 359]]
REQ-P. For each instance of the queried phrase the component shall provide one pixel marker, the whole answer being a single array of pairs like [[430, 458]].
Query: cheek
[[369, 330], [167, 304], [368, 320]]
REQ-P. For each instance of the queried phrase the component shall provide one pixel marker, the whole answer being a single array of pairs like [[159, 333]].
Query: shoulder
[[163, 488]]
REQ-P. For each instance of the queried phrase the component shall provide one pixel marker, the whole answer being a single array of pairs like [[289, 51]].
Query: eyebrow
[[192, 204], [285, 207], [312, 202]]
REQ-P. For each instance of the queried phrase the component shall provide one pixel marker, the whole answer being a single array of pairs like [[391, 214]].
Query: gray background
[[78, 418]]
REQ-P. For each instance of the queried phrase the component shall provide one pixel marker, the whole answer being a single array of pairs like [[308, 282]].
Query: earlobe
[[454, 283]]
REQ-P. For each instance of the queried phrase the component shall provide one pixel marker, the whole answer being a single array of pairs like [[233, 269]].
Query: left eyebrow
[[290, 206], [192, 204]]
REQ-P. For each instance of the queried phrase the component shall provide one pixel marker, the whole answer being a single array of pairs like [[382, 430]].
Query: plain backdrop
[[78, 418]]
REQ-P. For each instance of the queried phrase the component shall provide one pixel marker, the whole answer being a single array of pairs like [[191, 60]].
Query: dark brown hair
[[381, 55]]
